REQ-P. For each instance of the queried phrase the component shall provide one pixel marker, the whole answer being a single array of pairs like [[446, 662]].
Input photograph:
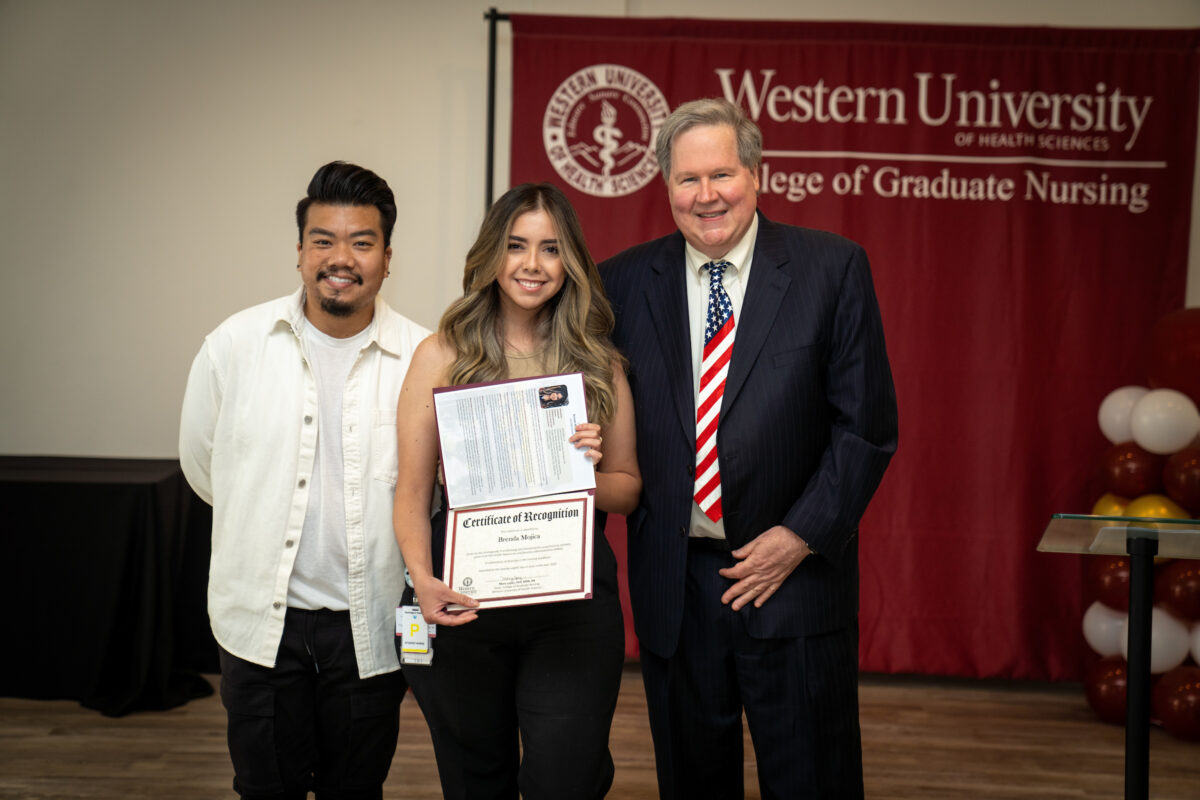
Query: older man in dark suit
[[766, 417]]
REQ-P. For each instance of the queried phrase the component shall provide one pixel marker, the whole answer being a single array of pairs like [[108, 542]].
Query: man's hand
[[763, 565]]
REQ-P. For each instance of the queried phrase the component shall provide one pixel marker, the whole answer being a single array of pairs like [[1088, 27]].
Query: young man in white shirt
[[289, 430]]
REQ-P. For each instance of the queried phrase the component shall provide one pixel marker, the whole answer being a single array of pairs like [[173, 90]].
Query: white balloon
[[1102, 628], [1169, 641], [1164, 421], [1115, 411], [1196, 642]]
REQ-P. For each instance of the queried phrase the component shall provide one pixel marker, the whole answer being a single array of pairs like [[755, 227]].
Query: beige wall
[[152, 151]]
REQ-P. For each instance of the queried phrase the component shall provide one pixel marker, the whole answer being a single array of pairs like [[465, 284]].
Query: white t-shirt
[[320, 575]]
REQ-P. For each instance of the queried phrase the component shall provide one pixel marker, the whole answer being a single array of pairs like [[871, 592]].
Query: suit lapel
[[666, 296], [760, 306]]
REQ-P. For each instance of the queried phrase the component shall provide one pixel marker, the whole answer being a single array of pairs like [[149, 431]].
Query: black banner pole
[[492, 16]]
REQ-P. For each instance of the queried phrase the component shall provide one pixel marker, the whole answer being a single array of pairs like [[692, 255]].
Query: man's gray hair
[[709, 111]]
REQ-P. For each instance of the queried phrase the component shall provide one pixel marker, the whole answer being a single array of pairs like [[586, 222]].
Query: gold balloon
[[1109, 505], [1155, 505]]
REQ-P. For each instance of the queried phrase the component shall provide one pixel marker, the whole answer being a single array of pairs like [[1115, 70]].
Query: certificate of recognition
[[537, 550], [519, 495]]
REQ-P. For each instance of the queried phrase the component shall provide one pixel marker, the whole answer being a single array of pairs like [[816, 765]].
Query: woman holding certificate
[[547, 673]]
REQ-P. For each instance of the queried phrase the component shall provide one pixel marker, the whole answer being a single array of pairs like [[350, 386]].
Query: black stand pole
[[1141, 550]]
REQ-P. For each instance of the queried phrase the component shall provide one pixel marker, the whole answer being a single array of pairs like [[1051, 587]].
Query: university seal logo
[[599, 129]]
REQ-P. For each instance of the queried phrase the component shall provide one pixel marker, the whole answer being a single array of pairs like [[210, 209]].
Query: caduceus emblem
[[580, 134], [608, 136]]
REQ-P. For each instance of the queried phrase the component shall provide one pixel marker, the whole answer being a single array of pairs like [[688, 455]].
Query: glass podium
[[1142, 539]]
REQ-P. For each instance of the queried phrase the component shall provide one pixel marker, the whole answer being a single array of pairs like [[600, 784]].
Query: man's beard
[[331, 305]]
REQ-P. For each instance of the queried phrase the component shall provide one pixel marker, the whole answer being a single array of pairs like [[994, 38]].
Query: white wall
[[152, 152]]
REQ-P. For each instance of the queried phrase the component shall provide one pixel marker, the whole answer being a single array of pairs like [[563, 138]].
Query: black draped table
[[105, 570]]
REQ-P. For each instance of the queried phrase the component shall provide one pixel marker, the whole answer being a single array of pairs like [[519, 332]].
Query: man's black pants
[[310, 723]]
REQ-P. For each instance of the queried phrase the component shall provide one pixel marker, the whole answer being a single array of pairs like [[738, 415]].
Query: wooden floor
[[922, 738]]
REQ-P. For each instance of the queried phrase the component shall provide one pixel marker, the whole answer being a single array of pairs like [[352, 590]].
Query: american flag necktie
[[718, 344]]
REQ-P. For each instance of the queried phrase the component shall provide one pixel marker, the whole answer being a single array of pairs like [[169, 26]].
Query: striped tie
[[718, 344]]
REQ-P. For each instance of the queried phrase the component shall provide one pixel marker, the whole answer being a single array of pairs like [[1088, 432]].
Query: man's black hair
[[341, 184]]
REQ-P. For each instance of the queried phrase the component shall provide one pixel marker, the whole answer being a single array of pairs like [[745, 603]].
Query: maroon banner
[[1025, 198]]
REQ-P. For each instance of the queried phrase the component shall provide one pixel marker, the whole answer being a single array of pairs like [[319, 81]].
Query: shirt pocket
[[385, 464]]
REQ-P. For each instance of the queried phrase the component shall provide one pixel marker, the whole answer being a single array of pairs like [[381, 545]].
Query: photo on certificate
[[552, 396], [510, 439], [537, 550]]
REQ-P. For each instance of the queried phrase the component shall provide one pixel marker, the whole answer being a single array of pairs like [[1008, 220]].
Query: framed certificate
[[537, 550]]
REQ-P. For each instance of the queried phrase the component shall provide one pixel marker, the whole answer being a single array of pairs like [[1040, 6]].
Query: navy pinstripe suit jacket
[[808, 422]]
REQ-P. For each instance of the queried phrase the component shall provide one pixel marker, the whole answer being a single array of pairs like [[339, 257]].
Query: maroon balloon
[[1181, 478], [1129, 471], [1105, 685], [1161, 686], [1173, 360], [1176, 702], [1108, 581], [1177, 586]]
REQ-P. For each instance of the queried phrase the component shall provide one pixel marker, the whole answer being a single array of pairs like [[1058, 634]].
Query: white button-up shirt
[[247, 443], [735, 280]]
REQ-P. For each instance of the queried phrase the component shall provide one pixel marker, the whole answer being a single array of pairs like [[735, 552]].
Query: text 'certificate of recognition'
[[531, 551], [509, 440]]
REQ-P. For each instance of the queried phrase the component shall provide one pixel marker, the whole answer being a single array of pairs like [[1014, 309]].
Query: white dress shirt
[[247, 444], [735, 280]]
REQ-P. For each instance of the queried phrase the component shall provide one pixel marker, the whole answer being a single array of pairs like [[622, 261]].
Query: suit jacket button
[[683, 530], [691, 470]]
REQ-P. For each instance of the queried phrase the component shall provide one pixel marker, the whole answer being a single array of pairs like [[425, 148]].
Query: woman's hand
[[587, 437], [435, 597]]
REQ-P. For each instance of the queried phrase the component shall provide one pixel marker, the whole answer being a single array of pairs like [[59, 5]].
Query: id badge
[[414, 633]]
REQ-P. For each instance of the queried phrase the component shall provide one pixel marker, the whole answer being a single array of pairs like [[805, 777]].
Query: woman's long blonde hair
[[576, 324]]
